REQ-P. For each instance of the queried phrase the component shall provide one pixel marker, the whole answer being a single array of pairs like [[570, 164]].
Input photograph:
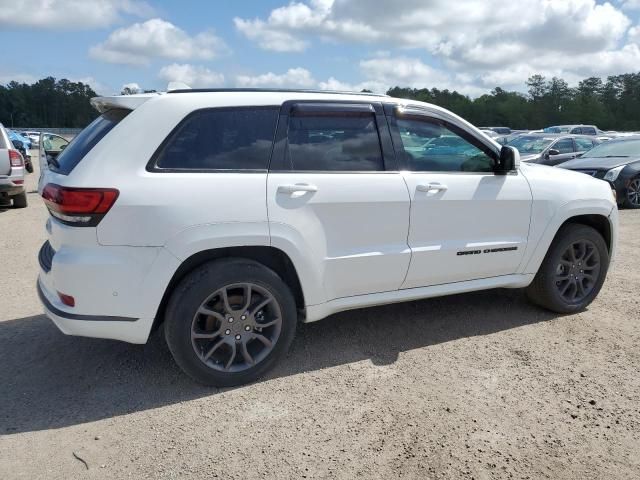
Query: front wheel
[[573, 270], [229, 321], [632, 197]]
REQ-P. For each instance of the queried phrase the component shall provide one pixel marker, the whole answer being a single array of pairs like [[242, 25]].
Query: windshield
[[530, 145], [622, 148]]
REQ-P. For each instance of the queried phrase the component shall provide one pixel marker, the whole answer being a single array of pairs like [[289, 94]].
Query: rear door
[[50, 147], [334, 186], [466, 222]]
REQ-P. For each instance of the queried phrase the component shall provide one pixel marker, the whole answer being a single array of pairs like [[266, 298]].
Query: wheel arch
[[271, 257], [603, 218], [600, 223]]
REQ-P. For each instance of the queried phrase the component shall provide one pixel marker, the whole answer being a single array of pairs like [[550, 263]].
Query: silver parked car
[[12, 172], [551, 149]]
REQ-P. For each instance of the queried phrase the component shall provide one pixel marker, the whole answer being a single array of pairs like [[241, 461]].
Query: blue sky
[[469, 45]]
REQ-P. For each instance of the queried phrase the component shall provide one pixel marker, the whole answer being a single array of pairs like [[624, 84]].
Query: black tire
[[627, 203], [199, 285], [28, 166], [544, 289], [20, 200]]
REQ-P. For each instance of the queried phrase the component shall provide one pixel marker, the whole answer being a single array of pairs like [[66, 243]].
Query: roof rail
[[272, 90]]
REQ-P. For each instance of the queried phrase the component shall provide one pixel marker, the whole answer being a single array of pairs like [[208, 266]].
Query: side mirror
[[553, 151], [509, 159], [63, 146]]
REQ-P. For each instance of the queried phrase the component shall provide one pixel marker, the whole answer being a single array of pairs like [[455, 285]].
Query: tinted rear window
[[221, 139], [73, 154]]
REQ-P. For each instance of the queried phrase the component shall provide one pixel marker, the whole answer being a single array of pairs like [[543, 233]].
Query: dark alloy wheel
[[229, 321], [573, 270], [633, 193], [236, 327], [578, 271]]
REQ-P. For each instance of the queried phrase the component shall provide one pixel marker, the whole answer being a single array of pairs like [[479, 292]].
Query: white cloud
[[292, 78], [140, 42], [629, 4], [487, 41], [68, 14], [5, 78], [193, 75]]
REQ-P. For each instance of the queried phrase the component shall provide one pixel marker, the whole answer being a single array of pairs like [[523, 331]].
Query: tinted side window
[[588, 131], [334, 143], [583, 144], [435, 147], [576, 131], [564, 146], [221, 139]]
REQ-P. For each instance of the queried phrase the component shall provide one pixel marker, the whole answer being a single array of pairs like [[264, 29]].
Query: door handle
[[431, 187], [298, 187]]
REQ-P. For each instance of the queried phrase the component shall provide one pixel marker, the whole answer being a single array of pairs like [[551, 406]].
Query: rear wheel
[[573, 270], [229, 321], [632, 197], [20, 200]]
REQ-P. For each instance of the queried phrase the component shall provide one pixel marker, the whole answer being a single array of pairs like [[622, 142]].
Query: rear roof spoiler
[[129, 102]]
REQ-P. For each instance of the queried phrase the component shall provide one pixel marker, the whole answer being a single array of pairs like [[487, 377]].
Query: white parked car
[[239, 213], [12, 173]]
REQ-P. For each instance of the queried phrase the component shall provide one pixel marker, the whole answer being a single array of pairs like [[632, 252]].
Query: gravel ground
[[476, 386]]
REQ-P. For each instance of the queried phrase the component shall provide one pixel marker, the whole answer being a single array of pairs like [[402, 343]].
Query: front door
[[466, 222], [331, 187]]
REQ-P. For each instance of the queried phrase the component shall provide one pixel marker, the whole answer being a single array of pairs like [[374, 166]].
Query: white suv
[[230, 215]]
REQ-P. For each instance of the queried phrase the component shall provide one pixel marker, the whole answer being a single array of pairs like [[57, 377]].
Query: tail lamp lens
[[78, 206], [16, 159]]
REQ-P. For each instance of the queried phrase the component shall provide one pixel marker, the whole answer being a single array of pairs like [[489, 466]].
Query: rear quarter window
[[80, 146], [220, 139]]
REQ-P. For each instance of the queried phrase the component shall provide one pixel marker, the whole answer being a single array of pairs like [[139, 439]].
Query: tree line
[[47, 103], [612, 104]]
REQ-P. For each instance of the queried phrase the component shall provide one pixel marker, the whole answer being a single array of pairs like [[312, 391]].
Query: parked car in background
[[580, 130], [50, 146], [13, 135], [551, 149], [12, 172], [618, 162], [33, 136], [18, 145], [490, 133], [498, 130]]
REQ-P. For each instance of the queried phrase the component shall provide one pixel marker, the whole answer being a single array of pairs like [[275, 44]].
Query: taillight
[[83, 207], [16, 159]]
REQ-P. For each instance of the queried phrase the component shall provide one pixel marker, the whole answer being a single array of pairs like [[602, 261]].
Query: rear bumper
[[127, 329], [10, 189], [117, 290]]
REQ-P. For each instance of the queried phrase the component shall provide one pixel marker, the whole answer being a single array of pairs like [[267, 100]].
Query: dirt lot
[[473, 386]]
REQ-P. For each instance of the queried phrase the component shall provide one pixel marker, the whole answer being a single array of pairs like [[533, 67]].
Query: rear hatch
[[69, 198]]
